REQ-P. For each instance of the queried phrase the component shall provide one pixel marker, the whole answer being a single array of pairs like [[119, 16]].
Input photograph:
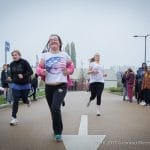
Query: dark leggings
[[96, 91], [146, 93], [17, 94], [55, 95]]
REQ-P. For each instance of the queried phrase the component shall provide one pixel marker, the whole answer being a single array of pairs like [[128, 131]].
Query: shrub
[[114, 89]]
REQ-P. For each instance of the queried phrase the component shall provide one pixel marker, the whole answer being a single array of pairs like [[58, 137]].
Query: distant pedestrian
[[9, 93], [4, 80], [130, 83], [139, 77], [146, 86], [21, 72], [124, 82], [53, 68], [34, 85], [96, 71], [137, 88]]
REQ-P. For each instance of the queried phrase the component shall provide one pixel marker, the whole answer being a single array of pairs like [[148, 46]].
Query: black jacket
[[20, 67], [3, 77]]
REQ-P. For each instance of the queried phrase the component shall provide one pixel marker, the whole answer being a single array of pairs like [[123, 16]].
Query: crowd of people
[[137, 84], [55, 68]]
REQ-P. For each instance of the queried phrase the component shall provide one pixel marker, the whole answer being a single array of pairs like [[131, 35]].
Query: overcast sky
[[104, 26]]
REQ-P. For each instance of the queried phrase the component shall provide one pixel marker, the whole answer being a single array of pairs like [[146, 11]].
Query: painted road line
[[83, 129], [83, 141]]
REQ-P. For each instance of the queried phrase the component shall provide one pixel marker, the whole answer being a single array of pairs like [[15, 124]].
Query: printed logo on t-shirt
[[55, 65]]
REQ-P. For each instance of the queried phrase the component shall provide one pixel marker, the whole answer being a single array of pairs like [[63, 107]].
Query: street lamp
[[145, 37]]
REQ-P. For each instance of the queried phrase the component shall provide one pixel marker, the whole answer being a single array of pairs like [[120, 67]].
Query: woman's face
[[54, 43], [16, 56], [97, 57], [5, 67], [143, 65]]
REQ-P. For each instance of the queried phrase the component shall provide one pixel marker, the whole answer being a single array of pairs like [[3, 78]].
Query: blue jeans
[[17, 94]]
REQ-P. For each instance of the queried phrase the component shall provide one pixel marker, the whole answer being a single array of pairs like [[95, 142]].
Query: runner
[[21, 72], [97, 75], [53, 68]]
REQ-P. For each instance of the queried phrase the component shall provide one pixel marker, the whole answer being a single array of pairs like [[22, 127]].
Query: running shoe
[[58, 138], [13, 121]]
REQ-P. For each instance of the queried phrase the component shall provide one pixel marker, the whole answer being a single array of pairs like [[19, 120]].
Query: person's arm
[[2, 77], [28, 71], [90, 71], [127, 76], [40, 70], [143, 82], [69, 68]]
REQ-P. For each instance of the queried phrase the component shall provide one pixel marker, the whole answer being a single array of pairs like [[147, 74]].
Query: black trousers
[[17, 95], [146, 93], [96, 89], [34, 93], [55, 95]]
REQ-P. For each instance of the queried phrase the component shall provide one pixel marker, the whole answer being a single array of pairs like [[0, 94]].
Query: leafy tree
[[67, 49], [73, 53]]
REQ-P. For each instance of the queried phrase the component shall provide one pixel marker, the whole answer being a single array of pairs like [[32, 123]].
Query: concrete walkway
[[126, 126]]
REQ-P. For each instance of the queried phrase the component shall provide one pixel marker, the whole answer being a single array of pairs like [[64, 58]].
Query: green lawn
[[40, 93], [117, 93], [114, 90], [2, 100]]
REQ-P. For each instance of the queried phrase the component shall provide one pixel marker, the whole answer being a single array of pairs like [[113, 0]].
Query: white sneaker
[[142, 103], [98, 113], [13, 121], [29, 105]]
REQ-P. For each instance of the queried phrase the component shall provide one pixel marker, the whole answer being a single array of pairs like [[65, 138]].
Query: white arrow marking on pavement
[[83, 141]]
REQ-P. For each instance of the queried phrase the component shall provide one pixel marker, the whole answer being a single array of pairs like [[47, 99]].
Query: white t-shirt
[[54, 65], [99, 76]]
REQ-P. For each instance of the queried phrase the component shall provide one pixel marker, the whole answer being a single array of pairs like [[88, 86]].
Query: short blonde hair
[[16, 51]]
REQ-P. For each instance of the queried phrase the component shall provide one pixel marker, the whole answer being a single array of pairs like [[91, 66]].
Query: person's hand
[[65, 72], [44, 73], [95, 72], [20, 76], [105, 75], [9, 79]]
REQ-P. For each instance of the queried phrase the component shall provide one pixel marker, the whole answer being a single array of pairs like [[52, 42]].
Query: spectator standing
[[34, 85], [4, 80], [146, 86], [139, 77], [124, 82], [130, 83]]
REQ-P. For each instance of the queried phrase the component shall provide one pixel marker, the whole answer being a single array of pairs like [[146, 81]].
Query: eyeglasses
[[14, 55], [53, 39]]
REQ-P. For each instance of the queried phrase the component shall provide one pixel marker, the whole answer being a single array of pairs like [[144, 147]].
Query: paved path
[[126, 126]]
